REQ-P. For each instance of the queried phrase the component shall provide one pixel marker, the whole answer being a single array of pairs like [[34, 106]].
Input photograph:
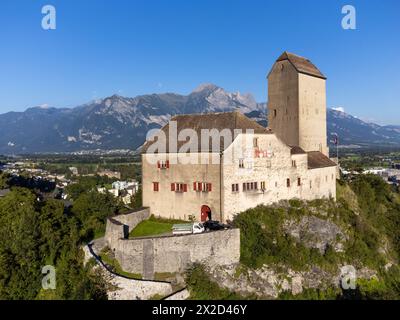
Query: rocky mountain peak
[[205, 87]]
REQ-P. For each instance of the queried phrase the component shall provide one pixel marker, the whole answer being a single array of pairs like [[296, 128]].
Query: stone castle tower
[[297, 103]]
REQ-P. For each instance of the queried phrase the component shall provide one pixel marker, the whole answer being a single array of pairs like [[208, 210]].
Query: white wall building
[[219, 176]]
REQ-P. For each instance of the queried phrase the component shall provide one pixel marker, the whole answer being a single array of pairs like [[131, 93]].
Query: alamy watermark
[[49, 20], [348, 277], [49, 279], [349, 20], [205, 146]]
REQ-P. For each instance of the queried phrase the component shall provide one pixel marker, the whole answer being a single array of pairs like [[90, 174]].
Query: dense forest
[[36, 232]]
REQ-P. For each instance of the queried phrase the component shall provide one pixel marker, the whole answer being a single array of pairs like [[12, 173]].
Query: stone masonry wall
[[176, 253], [168, 254], [118, 227]]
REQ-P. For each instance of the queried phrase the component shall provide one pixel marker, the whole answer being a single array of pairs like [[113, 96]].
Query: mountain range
[[118, 122]]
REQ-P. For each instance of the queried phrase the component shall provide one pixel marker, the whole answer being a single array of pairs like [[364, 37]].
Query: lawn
[[154, 226]]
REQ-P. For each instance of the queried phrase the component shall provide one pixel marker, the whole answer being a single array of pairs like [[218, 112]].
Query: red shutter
[[167, 164], [194, 186], [200, 186], [158, 165], [185, 187], [172, 186], [209, 187]]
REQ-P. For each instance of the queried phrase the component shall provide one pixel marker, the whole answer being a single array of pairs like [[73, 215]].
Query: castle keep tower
[[297, 103]]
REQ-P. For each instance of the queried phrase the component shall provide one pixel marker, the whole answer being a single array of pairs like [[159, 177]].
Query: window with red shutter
[[167, 164], [200, 186], [195, 186], [158, 164], [155, 186], [185, 187], [172, 186], [209, 187]]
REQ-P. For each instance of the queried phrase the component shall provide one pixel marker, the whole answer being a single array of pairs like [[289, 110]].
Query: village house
[[110, 174], [242, 164]]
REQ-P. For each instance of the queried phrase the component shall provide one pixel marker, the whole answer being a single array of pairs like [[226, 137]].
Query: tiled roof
[[317, 159], [296, 150], [220, 121], [301, 64]]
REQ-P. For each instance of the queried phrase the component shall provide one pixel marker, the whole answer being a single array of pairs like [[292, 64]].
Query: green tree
[[33, 235], [92, 209], [137, 199], [20, 256], [4, 179]]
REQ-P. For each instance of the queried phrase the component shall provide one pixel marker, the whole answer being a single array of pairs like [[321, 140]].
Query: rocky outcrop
[[267, 282], [316, 233]]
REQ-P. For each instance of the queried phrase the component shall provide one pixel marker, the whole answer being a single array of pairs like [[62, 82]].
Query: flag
[[335, 139]]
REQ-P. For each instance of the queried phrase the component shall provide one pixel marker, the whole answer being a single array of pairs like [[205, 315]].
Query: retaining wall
[[168, 254]]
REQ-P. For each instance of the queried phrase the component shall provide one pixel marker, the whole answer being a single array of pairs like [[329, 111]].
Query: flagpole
[[337, 148], [336, 142]]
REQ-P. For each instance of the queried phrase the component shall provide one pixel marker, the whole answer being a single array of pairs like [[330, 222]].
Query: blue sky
[[102, 47]]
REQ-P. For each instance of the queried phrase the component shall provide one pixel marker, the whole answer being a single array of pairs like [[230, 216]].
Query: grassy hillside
[[362, 228]]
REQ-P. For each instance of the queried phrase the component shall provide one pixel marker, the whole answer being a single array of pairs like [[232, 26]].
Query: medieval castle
[[290, 159]]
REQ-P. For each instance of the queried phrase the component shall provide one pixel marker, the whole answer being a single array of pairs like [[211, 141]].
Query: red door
[[205, 213]]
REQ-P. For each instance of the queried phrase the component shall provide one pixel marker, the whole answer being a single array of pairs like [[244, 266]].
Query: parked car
[[187, 228], [212, 225]]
